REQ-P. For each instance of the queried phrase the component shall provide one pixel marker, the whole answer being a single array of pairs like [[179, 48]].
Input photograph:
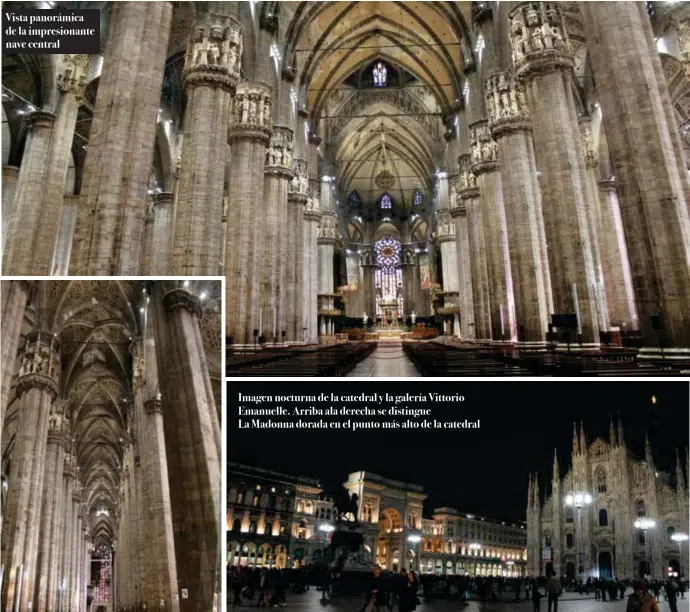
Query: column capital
[[299, 185], [251, 117], [40, 119], [136, 349], [315, 140], [59, 424], [328, 229], [467, 180], [163, 198], [587, 138], [484, 148], [71, 74], [214, 53], [154, 406], [608, 185], [10, 172], [279, 152], [40, 365], [181, 298], [539, 38], [506, 105]]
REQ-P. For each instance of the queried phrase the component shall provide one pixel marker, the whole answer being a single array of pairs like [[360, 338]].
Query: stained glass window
[[389, 282], [380, 75], [102, 591], [386, 202], [354, 199], [417, 199]]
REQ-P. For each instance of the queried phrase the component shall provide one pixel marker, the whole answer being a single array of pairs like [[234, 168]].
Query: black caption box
[[35, 32]]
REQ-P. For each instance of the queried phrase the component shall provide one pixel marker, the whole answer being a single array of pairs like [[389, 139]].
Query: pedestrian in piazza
[[641, 600]]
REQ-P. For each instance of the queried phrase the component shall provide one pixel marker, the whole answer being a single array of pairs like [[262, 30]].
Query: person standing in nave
[[641, 600]]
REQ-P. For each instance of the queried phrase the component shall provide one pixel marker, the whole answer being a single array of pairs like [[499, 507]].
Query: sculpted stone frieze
[[214, 55]]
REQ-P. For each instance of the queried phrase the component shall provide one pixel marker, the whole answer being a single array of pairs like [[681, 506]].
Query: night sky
[[478, 471]]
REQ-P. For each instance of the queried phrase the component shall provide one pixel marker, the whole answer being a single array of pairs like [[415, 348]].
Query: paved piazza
[[311, 602]]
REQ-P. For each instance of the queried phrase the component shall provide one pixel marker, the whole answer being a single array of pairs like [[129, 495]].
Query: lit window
[[386, 202], [388, 278], [417, 199], [354, 199], [380, 75]]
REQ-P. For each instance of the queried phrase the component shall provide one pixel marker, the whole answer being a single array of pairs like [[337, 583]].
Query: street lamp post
[[415, 539], [578, 500], [680, 538], [645, 524]]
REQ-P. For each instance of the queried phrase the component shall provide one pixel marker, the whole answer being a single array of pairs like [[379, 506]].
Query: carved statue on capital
[[214, 54], [300, 180], [136, 349], [484, 148], [328, 228], [251, 111], [446, 227], [40, 362], [59, 424], [684, 40], [588, 150], [506, 104], [539, 38], [72, 74]]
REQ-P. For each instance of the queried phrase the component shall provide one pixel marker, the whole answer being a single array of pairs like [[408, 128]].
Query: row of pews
[[331, 360], [436, 359]]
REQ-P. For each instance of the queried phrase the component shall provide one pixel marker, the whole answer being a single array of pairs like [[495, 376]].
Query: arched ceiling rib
[[329, 40]]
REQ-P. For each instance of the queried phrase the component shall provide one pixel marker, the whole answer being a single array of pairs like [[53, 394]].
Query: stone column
[[10, 175], [485, 167], [15, 296], [312, 217], [118, 164], [33, 233], [159, 567], [369, 268], [75, 529], [50, 546], [449, 263], [147, 241], [278, 235], [68, 223], [248, 135], [70, 482], [298, 196], [37, 387], [407, 264], [210, 75], [192, 440], [468, 193], [650, 175], [458, 212], [614, 259], [543, 59], [592, 209], [328, 234], [160, 239], [78, 570], [511, 128]]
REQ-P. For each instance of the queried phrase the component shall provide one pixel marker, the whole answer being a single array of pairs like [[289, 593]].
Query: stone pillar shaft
[[160, 239], [614, 259], [311, 217], [248, 135], [118, 164], [36, 388], [478, 266], [63, 249], [192, 440], [50, 544], [295, 271], [545, 63], [10, 175], [211, 73], [510, 123], [65, 569], [462, 247], [650, 174]]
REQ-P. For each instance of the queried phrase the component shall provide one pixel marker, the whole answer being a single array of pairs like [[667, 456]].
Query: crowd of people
[[403, 591]]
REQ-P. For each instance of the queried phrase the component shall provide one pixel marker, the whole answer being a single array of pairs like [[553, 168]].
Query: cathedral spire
[[583, 444], [556, 471], [576, 450], [621, 440], [612, 432], [530, 495], [680, 480], [537, 500], [648, 450]]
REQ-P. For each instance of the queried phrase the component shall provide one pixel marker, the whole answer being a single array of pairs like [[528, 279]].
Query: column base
[[539, 346], [242, 348], [655, 353], [593, 347]]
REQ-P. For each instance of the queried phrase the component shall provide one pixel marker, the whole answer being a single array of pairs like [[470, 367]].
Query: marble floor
[[388, 360], [311, 602]]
